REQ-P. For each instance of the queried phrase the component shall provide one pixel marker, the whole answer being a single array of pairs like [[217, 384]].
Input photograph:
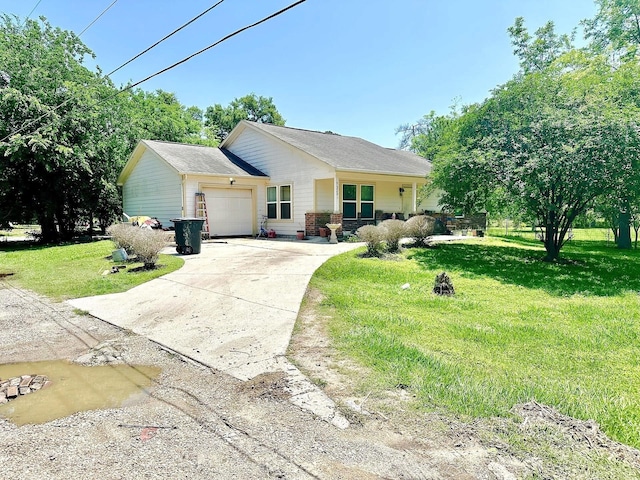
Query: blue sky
[[355, 67]]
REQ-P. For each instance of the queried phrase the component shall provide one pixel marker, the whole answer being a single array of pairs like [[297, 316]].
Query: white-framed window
[[366, 202], [279, 202], [358, 199]]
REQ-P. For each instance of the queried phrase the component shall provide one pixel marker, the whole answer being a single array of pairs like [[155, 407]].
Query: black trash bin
[[188, 235]]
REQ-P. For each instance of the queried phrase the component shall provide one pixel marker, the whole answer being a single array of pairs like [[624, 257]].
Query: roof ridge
[[328, 132], [180, 143]]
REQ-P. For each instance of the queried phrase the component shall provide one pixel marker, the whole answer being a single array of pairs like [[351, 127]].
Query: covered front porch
[[355, 199]]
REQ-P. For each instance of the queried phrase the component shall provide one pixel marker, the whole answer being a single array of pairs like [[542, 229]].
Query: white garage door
[[230, 211]]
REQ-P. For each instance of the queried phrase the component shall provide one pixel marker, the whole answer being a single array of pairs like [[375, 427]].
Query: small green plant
[[420, 228], [373, 236], [393, 231]]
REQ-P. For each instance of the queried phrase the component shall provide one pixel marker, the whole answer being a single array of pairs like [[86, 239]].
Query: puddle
[[75, 388]]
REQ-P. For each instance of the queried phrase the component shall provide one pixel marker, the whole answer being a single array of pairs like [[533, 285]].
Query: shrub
[[373, 236], [419, 228], [123, 236], [393, 231], [148, 244], [144, 243]]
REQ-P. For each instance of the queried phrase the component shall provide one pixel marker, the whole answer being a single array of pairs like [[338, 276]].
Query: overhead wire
[[165, 38], [97, 18], [223, 39], [166, 69], [32, 10]]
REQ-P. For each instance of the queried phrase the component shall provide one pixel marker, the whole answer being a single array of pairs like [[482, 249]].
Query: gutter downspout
[[184, 195]]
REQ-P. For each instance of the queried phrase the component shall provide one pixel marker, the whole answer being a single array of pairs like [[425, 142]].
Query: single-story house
[[297, 179]]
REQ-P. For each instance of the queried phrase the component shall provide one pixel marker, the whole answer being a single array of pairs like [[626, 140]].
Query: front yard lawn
[[518, 329], [74, 270]]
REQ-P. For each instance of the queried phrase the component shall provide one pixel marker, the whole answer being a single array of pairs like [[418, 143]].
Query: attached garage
[[230, 211], [161, 180]]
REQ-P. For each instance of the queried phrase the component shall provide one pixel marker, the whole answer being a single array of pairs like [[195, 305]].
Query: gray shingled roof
[[350, 153], [196, 159]]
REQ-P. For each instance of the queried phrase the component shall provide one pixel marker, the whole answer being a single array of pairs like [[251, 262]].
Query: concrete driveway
[[231, 307]]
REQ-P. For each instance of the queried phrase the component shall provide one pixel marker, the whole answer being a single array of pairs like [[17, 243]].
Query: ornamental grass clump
[[373, 236], [123, 236], [393, 231], [420, 228], [143, 243], [147, 246]]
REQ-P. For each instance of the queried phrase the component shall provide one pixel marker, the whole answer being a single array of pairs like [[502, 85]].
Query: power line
[[163, 39], [32, 10], [97, 18], [184, 60]]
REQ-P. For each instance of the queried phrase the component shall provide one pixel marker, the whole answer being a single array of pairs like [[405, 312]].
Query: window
[[279, 202], [354, 196], [349, 201], [272, 202], [366, 201], [285, 202]]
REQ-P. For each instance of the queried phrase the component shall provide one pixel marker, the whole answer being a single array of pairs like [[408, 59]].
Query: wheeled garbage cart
[[188, 235]]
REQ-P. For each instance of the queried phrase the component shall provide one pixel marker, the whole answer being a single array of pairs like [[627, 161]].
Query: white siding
[[284, 165], [153, 189], [324, 195], [388, 197], [430, 204]]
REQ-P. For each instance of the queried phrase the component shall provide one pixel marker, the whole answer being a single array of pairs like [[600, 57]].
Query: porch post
[[336, 194], [414, 198]]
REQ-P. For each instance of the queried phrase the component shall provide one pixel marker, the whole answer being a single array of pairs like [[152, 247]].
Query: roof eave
[[376, 172]]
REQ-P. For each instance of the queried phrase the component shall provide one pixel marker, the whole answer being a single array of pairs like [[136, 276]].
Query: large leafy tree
[[58, 136], [221, 120], [615, 28], [159, 115], [548, 143], [615, 32]]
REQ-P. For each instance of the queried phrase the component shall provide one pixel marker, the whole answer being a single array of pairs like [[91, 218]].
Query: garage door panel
[[230, 211]]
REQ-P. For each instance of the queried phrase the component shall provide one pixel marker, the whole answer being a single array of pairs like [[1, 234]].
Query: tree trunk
[[624, 237], [551, 243]]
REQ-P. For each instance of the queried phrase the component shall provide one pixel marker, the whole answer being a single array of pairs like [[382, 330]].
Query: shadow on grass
[[586, 267]]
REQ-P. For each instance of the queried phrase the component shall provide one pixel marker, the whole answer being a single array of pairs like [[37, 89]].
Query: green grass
[[74, 270], [579, 234], [564, 334]]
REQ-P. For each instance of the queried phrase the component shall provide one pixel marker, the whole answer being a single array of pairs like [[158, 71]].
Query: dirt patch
[[272, 385]]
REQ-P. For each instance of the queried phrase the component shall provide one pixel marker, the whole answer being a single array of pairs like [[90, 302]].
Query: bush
[[419, 228], [144, 243], [123, 236], [393, 231], [148, 244], [373, 236]]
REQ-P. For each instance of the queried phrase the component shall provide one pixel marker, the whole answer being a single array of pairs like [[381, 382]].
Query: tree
[[57, 128], [537, 53], [221, 120], [616, 28], [548, 142], [615, 31], [159, 115]]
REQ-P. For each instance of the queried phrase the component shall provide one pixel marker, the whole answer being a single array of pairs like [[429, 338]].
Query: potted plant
[[324, 231], [300, 234]]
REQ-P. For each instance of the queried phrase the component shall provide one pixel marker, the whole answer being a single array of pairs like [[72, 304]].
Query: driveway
[[232, 307]]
